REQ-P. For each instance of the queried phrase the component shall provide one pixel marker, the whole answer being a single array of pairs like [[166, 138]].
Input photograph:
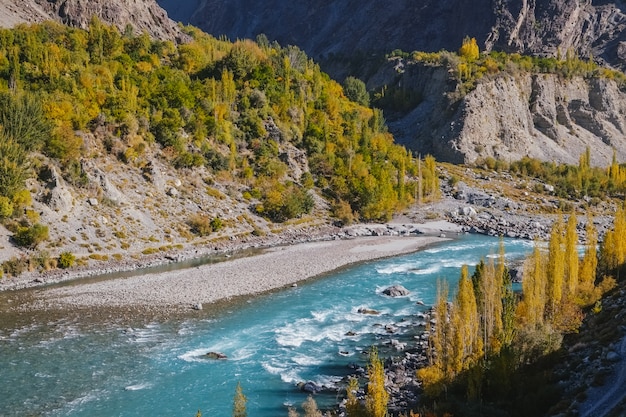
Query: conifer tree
[[377, 396]]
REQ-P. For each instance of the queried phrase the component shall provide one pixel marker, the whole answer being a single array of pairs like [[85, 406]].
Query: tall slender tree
[[571, 257], [377, 396], [239, 402]]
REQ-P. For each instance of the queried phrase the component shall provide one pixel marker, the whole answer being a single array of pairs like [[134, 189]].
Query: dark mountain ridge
[[326, 30]]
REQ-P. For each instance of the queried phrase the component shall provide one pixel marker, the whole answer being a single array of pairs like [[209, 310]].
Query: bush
[[15, 266], [30, 237], [6, 207], [201, 225], [66, 260]]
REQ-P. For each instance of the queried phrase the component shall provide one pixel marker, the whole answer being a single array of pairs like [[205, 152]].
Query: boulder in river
[[396, 291], [216, 355], [364, 310], [310, 387]]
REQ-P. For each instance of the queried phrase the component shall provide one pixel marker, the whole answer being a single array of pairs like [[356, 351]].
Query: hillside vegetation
[[257, 116]]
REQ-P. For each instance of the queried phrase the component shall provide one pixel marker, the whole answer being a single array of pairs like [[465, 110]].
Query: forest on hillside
[[236, 109]]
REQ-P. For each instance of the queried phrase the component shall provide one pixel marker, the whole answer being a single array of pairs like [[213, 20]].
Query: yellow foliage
[[469, 50]]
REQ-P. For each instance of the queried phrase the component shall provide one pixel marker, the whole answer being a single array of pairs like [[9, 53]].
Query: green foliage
[[280, 203], [23, 119], [356, 91], [202, 225], [14, 168], [31, 236], [66, 260], [6, 207], [236, 107]]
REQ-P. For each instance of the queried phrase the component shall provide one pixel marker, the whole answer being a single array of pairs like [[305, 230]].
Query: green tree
[[23, 119], [14, 168], [356, 91]]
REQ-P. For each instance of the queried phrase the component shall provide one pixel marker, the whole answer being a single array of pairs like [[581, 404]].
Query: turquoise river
[[76, 366]]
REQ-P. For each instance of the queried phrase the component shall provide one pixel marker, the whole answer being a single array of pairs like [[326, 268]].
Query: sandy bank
[[273, 268]]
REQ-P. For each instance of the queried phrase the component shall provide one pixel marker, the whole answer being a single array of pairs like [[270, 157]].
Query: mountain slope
[[141, 15], [508, 115], [345, 28]]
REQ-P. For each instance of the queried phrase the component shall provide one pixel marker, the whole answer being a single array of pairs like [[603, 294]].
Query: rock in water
[[216, 355], [364, 310], [396, 291]]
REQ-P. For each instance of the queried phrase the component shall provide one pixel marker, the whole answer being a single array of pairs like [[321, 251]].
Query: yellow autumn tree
[[588, 266], [556, 266], [571, 257], [469, 49], [466, 325], [239, 402], [532, 307], [377, 396]]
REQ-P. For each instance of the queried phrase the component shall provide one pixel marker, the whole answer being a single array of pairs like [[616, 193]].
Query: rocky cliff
[[355, 30], [142, 15], [509, 115]]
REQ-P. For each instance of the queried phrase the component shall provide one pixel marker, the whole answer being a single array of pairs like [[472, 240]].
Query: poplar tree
[[467, 324], [353, 406], [533, 287], [310, 408], [571, 257], [589, 264], [377, 396], [556, 266], [239, 402]]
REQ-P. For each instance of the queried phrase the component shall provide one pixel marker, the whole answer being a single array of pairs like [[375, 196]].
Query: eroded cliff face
[[509, 116], [549, 27], [142, 15]]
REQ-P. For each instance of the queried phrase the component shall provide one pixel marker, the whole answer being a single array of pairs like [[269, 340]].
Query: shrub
[[343, 212], [15, 266], [201, 225], [30, 237], [6, 207], [217, 224], [66, 260]]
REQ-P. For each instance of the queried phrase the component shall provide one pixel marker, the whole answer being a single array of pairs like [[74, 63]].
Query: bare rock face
[[59, 197], [141, 15], [330, 31], [508, 117]]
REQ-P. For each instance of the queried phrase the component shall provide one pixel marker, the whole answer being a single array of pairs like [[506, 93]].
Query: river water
[[72, 366]]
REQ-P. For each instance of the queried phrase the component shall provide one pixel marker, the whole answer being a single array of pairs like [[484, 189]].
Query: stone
[[172, 192], [216, 355], [310, 387], [93, 202], [396, 291], [364, 310], [197, 306]]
